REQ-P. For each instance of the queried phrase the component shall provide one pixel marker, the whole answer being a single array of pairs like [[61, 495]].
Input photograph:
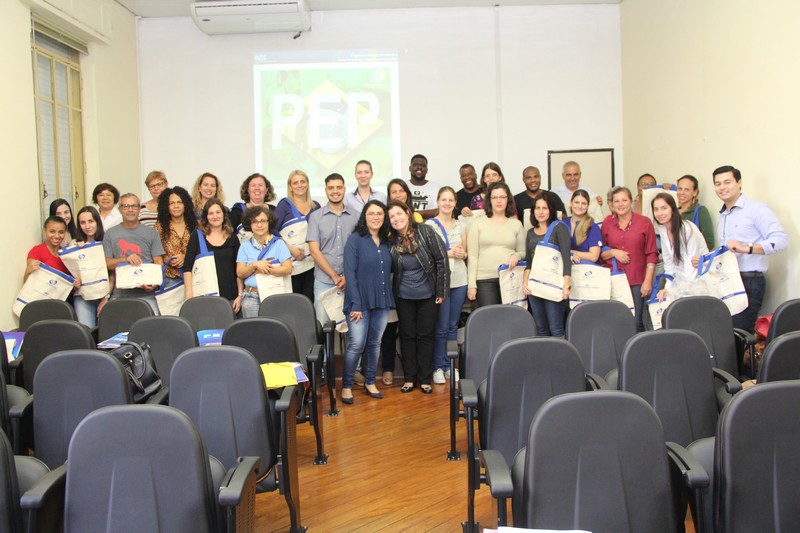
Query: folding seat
[[47, 337], [49, 309], [709, 317], [69, 385], [208, 312], [598, 461], [118, 316], [222, 389], [599, 330], [138, 468], [785, 319], [167, 337], [781, 359], [486, 329], [314, 345], [522, 375], [671, 371], [757, 460]]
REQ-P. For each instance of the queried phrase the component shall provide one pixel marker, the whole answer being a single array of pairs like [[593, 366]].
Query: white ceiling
[[180, 8]]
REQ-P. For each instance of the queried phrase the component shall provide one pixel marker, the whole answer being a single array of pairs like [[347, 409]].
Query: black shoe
[[426, 389], [406, 388], [348, 401], [376, 395]]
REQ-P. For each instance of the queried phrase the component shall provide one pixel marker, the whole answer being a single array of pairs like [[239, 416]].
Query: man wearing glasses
[[133, 242]]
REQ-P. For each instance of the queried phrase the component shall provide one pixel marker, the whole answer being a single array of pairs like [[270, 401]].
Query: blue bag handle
[[550, 229], [704, 264], [654, 292], [444, 232], [264, 252]]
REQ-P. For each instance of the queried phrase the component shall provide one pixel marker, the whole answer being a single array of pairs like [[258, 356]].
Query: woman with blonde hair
[[586, 240], [292, 214], [206, 187], [156, 182]]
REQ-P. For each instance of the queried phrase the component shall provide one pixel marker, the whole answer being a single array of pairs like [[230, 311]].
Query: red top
[[638, 239], [41, 252]]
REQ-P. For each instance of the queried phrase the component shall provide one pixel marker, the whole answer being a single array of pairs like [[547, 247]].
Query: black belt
[[752, 274]]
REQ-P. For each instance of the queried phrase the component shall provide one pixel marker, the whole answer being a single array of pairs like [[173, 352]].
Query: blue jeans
[[549, 316], [447, 325], [86, 311], [639, 304], [364, 336], [250, 304]]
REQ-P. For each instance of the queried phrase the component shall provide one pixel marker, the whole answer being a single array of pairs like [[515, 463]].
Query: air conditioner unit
[[253, 16]]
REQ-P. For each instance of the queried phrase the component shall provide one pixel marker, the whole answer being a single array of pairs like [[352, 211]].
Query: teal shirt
[[703, 222]]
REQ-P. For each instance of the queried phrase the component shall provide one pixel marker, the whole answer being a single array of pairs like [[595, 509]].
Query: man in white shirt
[[356, 200], [571, 173], [423, 192]]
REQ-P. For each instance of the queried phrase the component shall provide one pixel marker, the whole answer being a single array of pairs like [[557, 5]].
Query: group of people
[[419, 249]]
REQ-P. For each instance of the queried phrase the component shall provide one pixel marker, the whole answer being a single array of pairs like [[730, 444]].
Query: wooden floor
[[387, 470]]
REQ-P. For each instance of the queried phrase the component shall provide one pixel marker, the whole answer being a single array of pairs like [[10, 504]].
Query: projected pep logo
[[324, 116]]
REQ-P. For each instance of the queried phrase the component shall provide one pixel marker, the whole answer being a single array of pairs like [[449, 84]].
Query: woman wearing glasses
[[493, 240], [263, 253], [156, 182]]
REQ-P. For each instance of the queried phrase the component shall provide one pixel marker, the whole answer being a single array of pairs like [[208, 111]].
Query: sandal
[[426, 389], [388, 378], [407, 388]]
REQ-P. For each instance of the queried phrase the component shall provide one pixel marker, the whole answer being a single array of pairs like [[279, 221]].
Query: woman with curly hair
[[206, 187], [215, 228], [368, 295], [175, 223], [255, 190]]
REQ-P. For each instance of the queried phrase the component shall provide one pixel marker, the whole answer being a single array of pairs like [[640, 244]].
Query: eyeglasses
[[374, 215], [157, 185], [499, 197], [259, 222], [129, 206]]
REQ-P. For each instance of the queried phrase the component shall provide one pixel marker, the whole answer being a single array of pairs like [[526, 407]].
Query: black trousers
[[417, 329]]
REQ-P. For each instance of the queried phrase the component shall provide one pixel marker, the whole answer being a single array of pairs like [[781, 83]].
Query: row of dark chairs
[[671, 369], [133, 456]]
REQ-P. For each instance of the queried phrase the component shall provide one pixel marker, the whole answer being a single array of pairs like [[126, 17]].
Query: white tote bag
[[511, 280], [720, 272], [620, 290], [648, 193], [590, 282], [294, 232], [88, 264], [44, 283], [546, 278], [655, 308], [204, 271], [333, 302], [269, 284], [133, 277]]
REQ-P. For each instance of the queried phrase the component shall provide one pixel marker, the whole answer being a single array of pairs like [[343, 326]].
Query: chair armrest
[[314, 354], [732, 385], [237, 480], [595, 382], [13, 365], [694, 475], [51, 483], [498, 474], [161, 397], [287, 395], [745, 336], [329, 326], [469, 393], [452, 349], [20, 402]]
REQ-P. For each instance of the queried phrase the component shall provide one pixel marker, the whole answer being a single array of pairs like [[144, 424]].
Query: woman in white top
[[680, 241], [105, 196], [493, 240], [451, 230]]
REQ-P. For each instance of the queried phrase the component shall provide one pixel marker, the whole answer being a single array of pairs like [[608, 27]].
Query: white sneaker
[[438, 376], [447, 374]]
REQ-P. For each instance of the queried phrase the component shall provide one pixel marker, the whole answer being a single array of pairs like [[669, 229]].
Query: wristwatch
[[750, 252]]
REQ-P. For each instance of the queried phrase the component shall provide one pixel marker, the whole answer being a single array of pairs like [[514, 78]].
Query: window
[[57, 93]]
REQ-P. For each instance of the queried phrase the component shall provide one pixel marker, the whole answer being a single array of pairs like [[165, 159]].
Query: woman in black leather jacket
[[421, 282]]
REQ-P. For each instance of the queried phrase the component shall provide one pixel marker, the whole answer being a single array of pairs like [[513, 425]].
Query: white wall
[[711, 83], [476, 85], [111, 128]]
